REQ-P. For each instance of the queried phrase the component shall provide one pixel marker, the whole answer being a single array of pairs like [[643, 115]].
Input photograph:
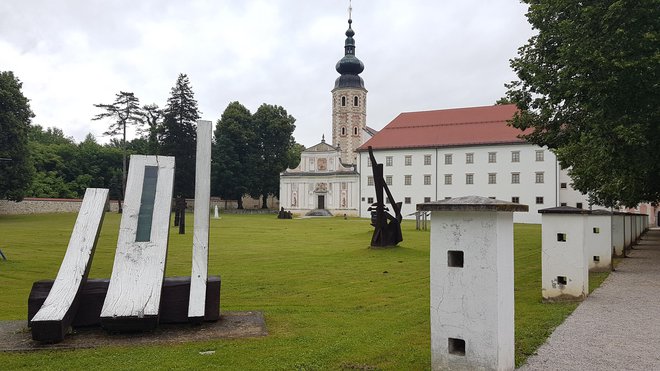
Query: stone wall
[[45, 205]]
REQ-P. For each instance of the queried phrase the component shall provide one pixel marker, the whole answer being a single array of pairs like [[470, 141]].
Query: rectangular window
[[408, 160], [427, 159], [539, 155], [388, 179], [561, 237], [578, 205], [492, 178], [492, 157], [469, 178], [562, 204], [539, 200], [406, 200], [427, 179], [539, 177], [370, 180], [448, 179], [370, 200], [369, 163], [469, 158], [448, 159], [515, 178], [407, 179], [427, 199], [515, 200], [388, 161], [562, 185], [515, 156]]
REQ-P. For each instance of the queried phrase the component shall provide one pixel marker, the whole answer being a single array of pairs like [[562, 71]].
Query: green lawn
[[329, 301]]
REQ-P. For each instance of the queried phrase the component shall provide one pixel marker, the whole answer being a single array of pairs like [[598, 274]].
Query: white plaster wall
[[527, 190], [473, 303], [567, 259], [307, 197], [618, 239], [598, 244], [569, 195]]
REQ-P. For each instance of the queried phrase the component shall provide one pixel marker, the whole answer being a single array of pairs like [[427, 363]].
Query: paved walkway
[[618, 326]]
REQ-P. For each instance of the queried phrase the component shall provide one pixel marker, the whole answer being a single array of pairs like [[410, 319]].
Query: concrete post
[[472, 307], [618, 238]]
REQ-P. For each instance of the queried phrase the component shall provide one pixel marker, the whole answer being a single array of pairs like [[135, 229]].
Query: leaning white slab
[[56, 314], [133, 298], [200, 255]]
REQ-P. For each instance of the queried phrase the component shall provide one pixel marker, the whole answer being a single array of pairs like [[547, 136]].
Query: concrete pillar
[[618, 238], [472, 307], [627, 231], [598, 240], [564, 258]]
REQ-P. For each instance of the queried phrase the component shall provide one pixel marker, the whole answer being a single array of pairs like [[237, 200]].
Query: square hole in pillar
[[596, 230], [561, 237], [562, 280], [596, 258], [455, 258], [457, 346]]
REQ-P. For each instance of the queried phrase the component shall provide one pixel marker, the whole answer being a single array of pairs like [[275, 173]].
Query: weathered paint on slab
[[133, 297], [200, 254], [59, 308]]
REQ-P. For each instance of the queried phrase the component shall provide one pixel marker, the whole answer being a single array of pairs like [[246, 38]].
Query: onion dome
[[349, 66]]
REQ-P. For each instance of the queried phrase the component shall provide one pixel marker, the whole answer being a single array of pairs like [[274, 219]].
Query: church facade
[[326, 177]]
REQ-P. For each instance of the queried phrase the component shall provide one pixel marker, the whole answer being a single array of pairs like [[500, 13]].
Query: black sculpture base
[[173, 305]]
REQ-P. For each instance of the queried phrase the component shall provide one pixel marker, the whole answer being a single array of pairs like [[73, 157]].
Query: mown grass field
[[329, 301]]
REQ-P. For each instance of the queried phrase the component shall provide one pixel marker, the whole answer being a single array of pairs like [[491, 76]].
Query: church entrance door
[[321, 202]]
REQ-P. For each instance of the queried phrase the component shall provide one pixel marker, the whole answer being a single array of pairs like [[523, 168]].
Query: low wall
[[45, 205]]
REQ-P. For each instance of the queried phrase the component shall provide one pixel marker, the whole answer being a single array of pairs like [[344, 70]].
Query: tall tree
[[16, 170], [153, 116], [234, 154], [589, 89], [179, 135], [274, 128], [124, 111]]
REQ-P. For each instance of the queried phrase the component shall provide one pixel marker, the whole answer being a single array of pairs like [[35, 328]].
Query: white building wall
[[568, 195], [527, 190]]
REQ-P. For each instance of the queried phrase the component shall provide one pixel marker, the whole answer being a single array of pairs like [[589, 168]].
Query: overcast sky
[[418, 55]]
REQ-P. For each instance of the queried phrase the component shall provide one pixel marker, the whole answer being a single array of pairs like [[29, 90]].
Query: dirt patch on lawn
[[15, 336]]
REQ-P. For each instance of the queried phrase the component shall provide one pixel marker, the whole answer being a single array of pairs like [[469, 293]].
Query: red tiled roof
[[449, 127]]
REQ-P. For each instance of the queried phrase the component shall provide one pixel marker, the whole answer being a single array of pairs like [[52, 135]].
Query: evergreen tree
[[274, 128], [16, 170], [589, 88], [234, 154], [153, 116], [179, 135], [124, 111]]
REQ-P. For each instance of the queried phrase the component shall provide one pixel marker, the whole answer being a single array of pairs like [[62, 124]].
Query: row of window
[[343, 131], [469, 158], [515, 199], [356, 101], [539, 178]]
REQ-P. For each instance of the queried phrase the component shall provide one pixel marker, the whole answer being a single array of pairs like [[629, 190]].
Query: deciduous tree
[[589, 88], [234, 153], [274, 128], [16, 170]]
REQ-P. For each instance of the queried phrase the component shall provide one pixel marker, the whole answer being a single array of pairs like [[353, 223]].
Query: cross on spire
[[350, 9]]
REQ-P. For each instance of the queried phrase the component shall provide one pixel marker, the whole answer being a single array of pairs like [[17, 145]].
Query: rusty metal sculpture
[[387, 228]]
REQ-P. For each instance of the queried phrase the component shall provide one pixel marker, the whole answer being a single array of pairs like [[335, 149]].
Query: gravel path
[[618, 326]]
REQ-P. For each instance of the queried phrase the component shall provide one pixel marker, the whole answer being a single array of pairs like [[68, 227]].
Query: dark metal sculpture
[[387, 228], [180, 214]]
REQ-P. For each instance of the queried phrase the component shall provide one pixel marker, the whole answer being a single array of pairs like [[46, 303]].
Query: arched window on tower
[[343, 130], [343, 101], [356, 101], [355, 130]]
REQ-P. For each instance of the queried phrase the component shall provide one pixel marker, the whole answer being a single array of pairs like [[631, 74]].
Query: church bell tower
[[349, 101]]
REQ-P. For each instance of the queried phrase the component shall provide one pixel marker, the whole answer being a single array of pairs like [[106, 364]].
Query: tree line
[[249, 150]]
